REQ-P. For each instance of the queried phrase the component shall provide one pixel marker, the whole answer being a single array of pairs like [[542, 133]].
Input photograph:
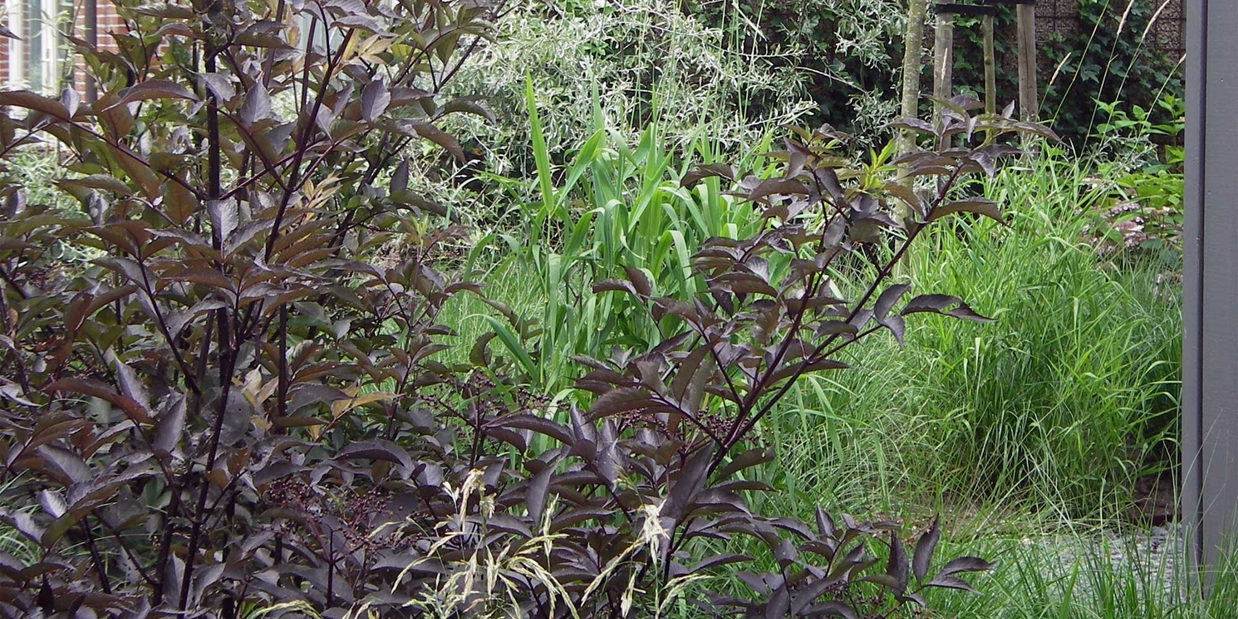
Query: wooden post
[[943, 58], [990, 66], [1029, 99]]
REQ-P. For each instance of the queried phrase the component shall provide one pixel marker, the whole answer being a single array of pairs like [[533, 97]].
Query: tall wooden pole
[[990, 66], [1029, 99], [943, 58], [913, 50]]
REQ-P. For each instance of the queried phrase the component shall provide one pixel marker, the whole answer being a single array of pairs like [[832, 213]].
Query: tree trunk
[[913, 52]]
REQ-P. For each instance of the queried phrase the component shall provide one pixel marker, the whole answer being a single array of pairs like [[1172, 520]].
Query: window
[[34, 62]]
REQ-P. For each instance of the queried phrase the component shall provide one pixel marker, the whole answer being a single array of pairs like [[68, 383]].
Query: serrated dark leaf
[[950, 582], [965, 564], [399, 178], [979, 206], [924, 551], [641, 281], [777, 186], [779, 603], [257, 105], [470, 104], [218, 85], [440, 137], [535, 497], [684, 487], [716, 561], [746, 460], [712, 170], [53, 503], [825, 524], [831, 609], [225, 216], [170, 426], [541, 425], [621, 400], [378, 449], [896, 565], [155, 89], [888, 298], [375, 98], [613, 285]]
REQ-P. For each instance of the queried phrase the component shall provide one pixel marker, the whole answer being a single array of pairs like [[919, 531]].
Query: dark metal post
[[1210, 285]]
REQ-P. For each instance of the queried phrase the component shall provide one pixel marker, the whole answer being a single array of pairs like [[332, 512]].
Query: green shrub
[[621, 67], [852, 49], [1109, 58], [232, 410], [849, 52], [1142, 213]]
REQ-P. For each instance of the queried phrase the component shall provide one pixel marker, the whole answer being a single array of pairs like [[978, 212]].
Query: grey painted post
[[1210, 283]]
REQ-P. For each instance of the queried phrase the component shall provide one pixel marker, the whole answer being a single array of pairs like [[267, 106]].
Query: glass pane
[[34, 44]]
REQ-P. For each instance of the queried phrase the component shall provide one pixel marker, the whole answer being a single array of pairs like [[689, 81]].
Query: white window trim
[[50, 64], [49, 44], [16, 11]]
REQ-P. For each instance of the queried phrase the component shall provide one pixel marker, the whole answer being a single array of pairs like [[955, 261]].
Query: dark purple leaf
[[614, 285], [621, 400], [746, 460], [965, 564], [888, 298], [257, 105], [896, 566], [170, 426], [374, 99], [825, 524], [712, 170], [69, 464], [717, 560], [777, 186], [24, 523], [155, 89], [640, 281], [779, 603], [440, 137], [378, 449], [831, 609], [924, 550], [980, 206], [683, 488], [950, 582], [541, 425], [535, 498]]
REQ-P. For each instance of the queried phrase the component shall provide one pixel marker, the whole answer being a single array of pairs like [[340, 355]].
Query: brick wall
[[107, 22]]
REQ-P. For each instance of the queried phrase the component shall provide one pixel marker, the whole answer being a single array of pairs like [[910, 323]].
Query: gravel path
[[1138, 557]]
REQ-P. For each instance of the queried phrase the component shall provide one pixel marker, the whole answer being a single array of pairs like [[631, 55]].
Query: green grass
[[1073, 576], [1045, 416], [1039, 422], [1054, 409]]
